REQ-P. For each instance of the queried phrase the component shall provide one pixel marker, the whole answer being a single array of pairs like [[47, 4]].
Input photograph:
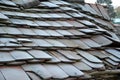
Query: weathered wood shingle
[[55, 40]]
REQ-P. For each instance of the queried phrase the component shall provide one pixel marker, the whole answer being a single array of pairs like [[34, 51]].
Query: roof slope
[[55, 40]]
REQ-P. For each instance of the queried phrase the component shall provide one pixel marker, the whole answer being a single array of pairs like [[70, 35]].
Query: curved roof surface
[[55, 39]]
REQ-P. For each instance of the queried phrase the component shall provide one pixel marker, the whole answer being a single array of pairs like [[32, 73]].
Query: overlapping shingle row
[[55, 40]]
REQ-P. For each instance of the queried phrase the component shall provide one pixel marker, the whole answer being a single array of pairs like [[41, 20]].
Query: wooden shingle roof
[[55, 39]]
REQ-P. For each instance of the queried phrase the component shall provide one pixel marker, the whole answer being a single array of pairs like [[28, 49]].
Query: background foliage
[[117, 10]]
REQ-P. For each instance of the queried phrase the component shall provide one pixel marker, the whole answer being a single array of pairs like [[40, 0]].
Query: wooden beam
[[107, 72]]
